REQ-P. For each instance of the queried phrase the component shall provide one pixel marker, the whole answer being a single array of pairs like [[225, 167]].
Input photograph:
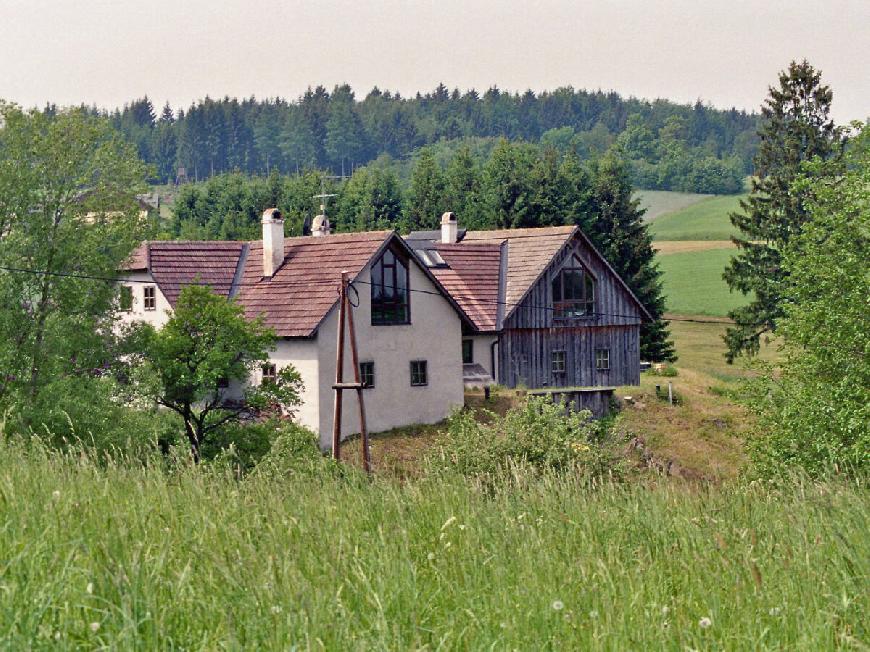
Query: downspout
[[492, 359]]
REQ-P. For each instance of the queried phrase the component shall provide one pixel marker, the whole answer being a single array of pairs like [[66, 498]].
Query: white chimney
[[273, 241], [449, 228], [320, 225]]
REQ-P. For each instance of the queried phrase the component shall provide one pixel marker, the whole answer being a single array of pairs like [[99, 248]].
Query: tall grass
[[137, 557]]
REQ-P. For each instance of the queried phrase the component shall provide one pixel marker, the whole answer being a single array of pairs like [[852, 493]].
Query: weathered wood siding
[[531, 333]]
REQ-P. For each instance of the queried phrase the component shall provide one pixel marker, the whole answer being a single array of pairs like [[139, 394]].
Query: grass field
[[661, 202], [703, 220], [693, 282], [96, 557]]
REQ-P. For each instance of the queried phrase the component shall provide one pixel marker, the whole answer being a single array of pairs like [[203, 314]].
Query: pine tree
[[618, 232], [462, 187], [426, 200], [796, 128], [345, 137]]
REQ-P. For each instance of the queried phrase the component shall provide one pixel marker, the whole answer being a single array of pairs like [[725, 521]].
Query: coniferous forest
[[670, 146]]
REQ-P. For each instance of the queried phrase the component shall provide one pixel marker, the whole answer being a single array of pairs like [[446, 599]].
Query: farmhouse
[[408, 327], [546, 309]]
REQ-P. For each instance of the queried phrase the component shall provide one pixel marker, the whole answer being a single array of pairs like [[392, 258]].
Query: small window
[[150, 297], [467, 351], [418, 373], [367, 374], [270, 373], [557, 359], [573, 292], [126, 298], [602, 359]]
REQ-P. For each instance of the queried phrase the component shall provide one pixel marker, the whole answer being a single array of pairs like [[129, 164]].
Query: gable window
[[467, 351], [270, 373], [125, 298], [419, 376], [367, 374], [150, 295], [573, 291], [602, 359], [557, 362], [390, 291]]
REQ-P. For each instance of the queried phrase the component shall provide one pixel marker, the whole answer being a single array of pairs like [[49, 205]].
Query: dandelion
[[90, 587], [558, 605], [705, 622], [95, 627]]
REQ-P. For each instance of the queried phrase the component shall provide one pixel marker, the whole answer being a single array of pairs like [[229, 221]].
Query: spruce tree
[[426, 201], [618, 232], [796, 128]]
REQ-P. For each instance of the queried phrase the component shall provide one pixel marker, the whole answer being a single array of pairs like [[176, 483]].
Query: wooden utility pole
[[345, 313]]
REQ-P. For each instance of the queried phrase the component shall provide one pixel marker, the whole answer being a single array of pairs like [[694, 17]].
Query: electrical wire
[[308, 284]]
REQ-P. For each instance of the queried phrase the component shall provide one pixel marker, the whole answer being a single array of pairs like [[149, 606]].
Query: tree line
[[671, 146]]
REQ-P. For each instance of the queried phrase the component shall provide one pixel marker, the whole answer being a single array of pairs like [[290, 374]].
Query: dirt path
[[665, 247]]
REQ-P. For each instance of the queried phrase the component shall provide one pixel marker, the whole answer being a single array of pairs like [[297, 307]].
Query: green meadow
[[119, 556], [693, 283], [703, 220]]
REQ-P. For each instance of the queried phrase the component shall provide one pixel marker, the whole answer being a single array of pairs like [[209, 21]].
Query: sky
[[724, 52]]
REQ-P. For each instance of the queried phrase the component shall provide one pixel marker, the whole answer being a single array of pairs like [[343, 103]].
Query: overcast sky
[[725, 52]]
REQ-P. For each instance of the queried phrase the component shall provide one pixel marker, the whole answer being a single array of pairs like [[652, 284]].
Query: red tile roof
[[303, 290], [175, 264], [472, 279]]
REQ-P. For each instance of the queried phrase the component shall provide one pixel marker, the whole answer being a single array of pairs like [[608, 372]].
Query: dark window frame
[[149, 302], [367, 374], [125, 298], [605, 358], [470, 344], [563, 361], [420, 373], [573, 307], [394, 311], [269, 373]]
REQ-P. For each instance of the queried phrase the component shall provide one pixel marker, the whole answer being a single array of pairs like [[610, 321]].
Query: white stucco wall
[[302, 354], [434, 335], [156, 317], [483, 352]]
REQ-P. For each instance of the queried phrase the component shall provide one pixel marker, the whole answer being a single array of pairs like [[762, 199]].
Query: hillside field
[[693, 283], [662, 202], [703, 220]]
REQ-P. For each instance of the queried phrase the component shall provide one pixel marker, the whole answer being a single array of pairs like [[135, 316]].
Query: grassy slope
[[660, 202], [693, 282], [97, 557], [704, 220]]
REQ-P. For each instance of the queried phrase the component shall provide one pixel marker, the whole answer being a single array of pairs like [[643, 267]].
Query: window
[[431, 258], [150, 297], [602, 359], [367, 374], [418, 373], [557, 362], [126, 298], [223, 383], [270, 373], [390, 291], [573, 292], [467, 351]]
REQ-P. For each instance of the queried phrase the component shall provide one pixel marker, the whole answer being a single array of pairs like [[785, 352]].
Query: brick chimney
[[449, 228], [273, 241]]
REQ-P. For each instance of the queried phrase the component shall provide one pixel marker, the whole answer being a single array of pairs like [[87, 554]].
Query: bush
[[537, 436], [295, 450]]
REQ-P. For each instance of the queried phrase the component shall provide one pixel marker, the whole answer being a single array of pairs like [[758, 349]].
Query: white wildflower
[[90, 587], [276, 609], [705, 622], [95, 627], [55, 494], [558, 605], [57, 636], [593, 614], [430, 556], [666, 610], [462, 526], [774, 611]]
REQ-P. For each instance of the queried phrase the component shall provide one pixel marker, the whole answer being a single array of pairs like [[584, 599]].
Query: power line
[[307, 284]]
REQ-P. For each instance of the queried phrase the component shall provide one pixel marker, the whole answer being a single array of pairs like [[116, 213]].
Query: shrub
[[295, 450], [538, 436]]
